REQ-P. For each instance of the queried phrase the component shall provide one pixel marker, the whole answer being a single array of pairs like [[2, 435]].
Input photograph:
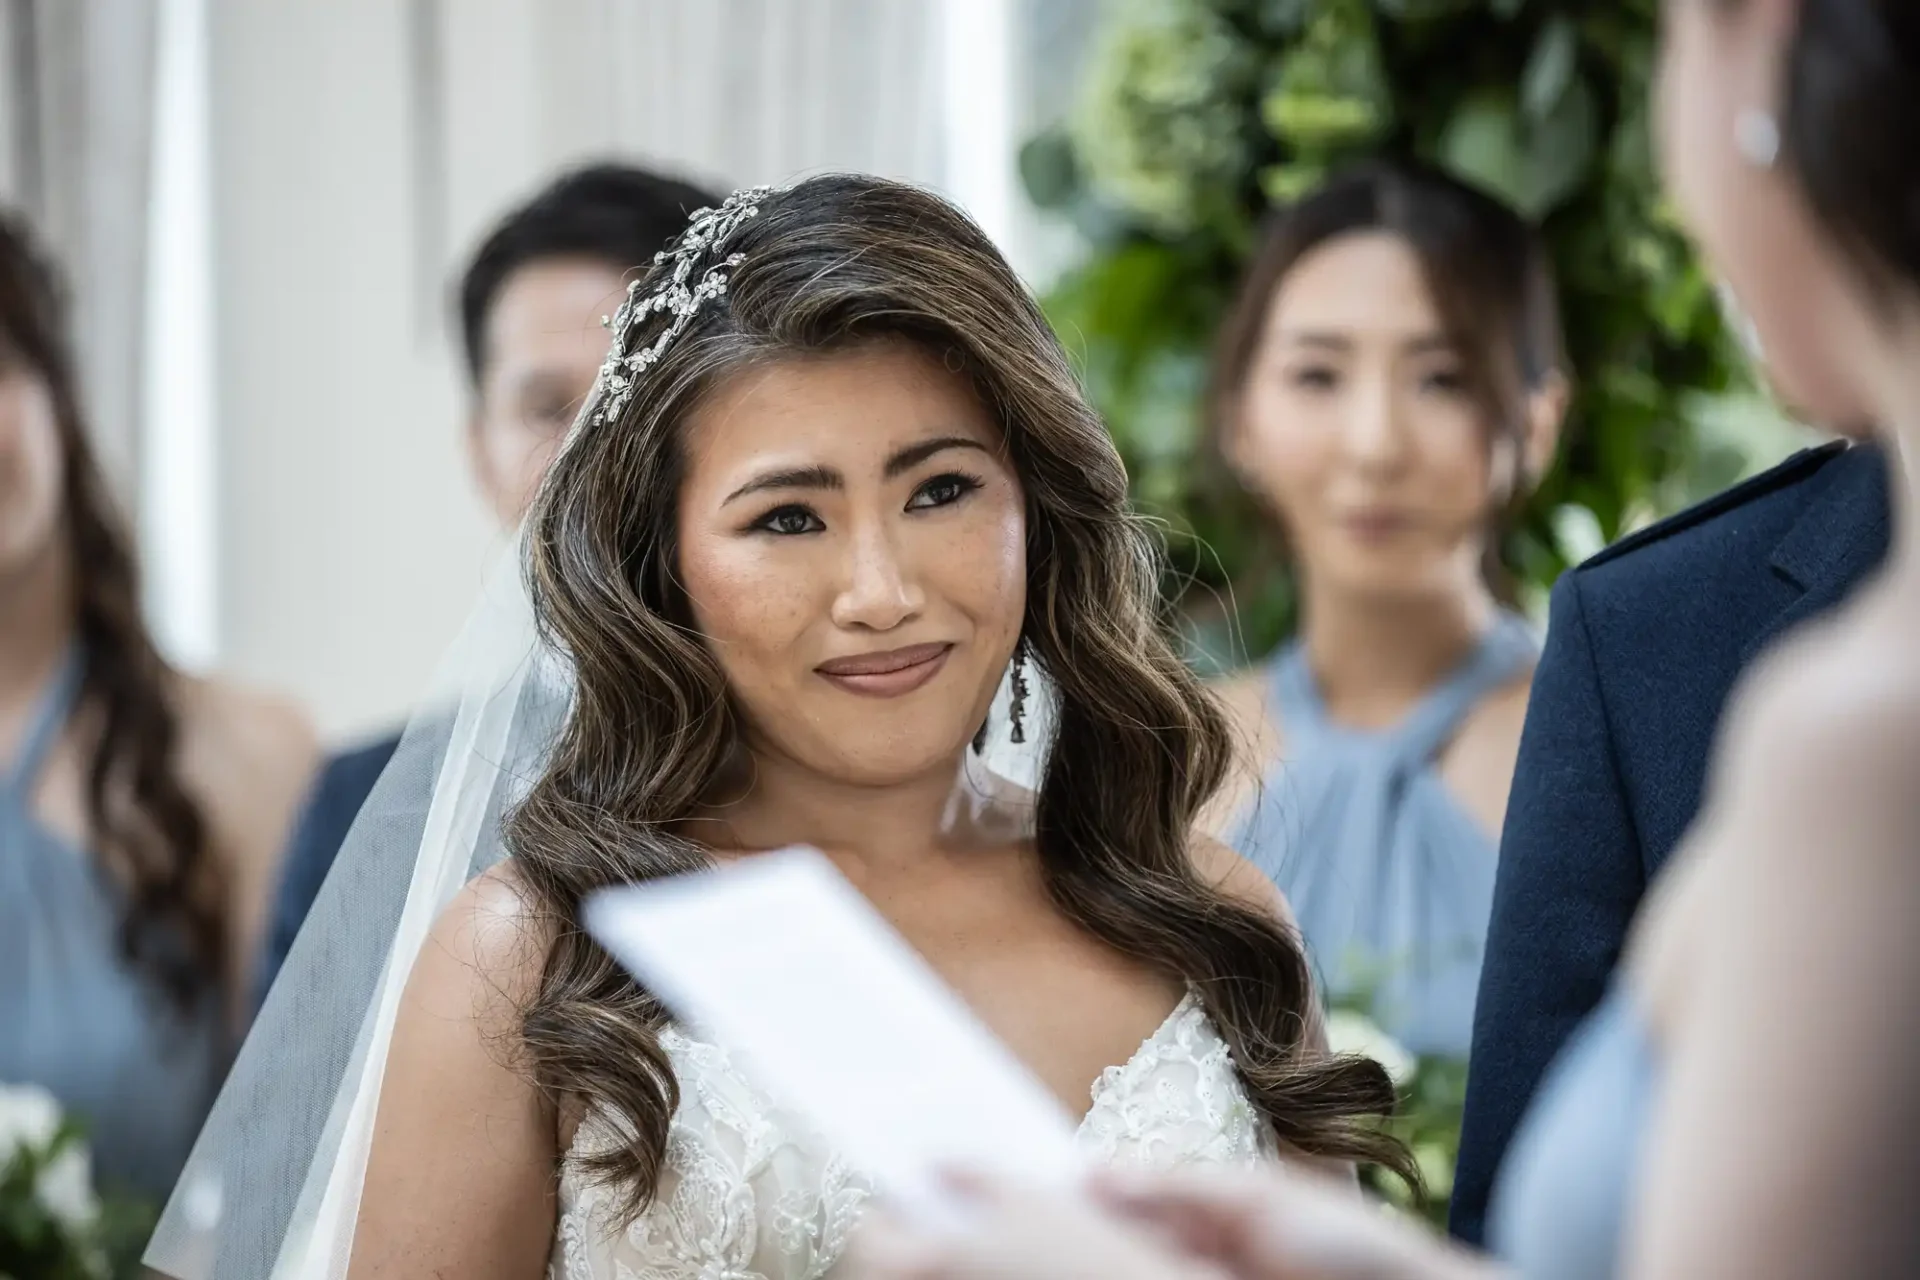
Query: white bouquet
[[49, 1216]]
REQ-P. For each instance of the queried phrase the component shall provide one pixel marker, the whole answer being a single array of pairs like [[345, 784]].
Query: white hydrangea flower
[[29, 1121], [29, 1117], [65, 1188], [1350, 1032]]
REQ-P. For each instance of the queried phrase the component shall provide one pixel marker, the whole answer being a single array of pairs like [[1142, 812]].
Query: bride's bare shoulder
[[1246, 698], [460, 1174], [1226, 872], [491, 941], [1256, 738]]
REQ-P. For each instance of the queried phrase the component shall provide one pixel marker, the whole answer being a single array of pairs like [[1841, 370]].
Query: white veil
[[272, 1187]]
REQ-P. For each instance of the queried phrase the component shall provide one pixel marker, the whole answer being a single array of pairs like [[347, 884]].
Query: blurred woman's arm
[[1787, 1138], [249, 760]]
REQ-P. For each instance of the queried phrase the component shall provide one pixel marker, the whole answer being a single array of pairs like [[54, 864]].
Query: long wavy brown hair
[[145, 824], [831, 263]]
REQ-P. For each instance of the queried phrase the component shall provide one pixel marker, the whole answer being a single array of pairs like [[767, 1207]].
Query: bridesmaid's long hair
[[144, 823], [835, 262]]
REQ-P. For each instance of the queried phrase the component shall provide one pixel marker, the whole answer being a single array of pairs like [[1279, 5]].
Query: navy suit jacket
[[1645, 643], [337, 796]]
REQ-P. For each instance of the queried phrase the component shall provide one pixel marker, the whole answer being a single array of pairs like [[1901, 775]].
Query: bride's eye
[[942, 491], [789, 521]]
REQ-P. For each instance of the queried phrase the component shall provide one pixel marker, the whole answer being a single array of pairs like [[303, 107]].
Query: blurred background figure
[[1390, 386], [1194, 120], [531, 304], [141, 810]]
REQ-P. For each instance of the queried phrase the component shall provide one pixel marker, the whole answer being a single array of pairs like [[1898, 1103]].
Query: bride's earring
[[1756, 136], [1017, 705]]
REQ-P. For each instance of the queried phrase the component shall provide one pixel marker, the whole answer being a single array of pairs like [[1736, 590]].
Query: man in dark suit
[[1645, 643], [530, 308]]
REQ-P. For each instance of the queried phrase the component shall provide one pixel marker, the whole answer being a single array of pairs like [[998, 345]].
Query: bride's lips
[[888, 674]]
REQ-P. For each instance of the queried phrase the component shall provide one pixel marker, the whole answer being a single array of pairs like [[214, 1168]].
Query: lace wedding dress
[[745, 1195]]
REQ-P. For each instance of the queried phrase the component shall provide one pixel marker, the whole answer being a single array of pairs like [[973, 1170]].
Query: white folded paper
[[782, 961]]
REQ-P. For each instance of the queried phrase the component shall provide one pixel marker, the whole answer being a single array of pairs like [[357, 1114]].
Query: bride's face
[[852, 540]]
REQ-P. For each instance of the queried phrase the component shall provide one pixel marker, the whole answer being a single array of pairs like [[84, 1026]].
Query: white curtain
[[77, 102], [727, 92], [736, 92], [761, 90]]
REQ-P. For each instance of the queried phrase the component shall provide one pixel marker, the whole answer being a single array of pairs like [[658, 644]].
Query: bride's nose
[[880, 589]]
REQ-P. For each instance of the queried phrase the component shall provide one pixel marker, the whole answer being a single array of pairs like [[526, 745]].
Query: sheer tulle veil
[[272, 1186]]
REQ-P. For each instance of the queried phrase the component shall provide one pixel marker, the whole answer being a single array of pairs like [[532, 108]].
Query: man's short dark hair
[[613, 212]]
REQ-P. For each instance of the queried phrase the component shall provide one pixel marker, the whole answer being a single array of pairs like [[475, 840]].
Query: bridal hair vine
[[707, 231]]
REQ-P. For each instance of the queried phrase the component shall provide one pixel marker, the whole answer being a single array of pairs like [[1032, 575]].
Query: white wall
[[350, 544]]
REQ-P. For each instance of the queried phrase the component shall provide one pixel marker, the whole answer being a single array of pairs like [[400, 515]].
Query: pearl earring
[[1756, 136]]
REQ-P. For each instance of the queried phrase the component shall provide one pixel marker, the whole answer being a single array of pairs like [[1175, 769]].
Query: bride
[[835, 484]]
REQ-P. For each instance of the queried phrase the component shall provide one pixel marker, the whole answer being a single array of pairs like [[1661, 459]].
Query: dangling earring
[[1756, 136], [1017, 705]]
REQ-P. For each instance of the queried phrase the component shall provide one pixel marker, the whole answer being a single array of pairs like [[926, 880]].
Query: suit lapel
[[1840, 538]]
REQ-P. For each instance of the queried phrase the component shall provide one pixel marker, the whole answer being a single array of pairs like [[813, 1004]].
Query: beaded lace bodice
[[747, 1194]]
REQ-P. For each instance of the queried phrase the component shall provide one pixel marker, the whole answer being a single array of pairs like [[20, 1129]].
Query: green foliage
[[52, 1224], [1198, 115], [36, 1241], [126, 1224], [1432, 1092], [1428, 1121]]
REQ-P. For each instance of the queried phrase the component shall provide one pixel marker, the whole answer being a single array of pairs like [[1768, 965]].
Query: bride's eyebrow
[[821, 477], [913, 455], [789, 478]]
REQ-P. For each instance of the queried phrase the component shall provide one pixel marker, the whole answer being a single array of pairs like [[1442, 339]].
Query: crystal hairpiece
[[707, 231]]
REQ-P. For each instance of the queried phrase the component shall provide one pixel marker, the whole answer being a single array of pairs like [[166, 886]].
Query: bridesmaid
[[140, 810], [1390, 385]]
